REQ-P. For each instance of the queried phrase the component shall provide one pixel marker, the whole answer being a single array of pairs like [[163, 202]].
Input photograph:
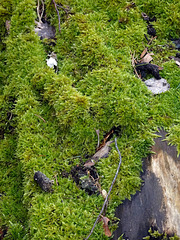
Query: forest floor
[[58, 120]]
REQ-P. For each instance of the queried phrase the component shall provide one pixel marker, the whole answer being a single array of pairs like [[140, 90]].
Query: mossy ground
[[95, 88]]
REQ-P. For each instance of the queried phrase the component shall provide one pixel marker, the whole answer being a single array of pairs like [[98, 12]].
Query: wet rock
[[157, 86], [43, 181]]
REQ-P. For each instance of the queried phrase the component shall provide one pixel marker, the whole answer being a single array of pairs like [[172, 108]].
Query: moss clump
[[154, 234], [48, 119]]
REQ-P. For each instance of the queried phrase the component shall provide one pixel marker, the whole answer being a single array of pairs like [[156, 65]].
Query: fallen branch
[[105, 201], [59, 19]]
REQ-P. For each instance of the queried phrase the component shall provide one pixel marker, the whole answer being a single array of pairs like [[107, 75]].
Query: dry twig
[[97, 132], [55, 176], [59, 19], [133, 61], [38, 11], [105, 201], [65, 9], [152, 38], [10, 117], [40, 117]]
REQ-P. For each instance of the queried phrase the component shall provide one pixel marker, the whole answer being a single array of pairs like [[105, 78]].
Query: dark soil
[[86, 178], [148, 68]]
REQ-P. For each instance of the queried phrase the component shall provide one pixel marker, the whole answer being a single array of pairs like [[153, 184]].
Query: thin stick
[[133, 64], [57, 183], [38, 12], [97, 132], [152, 38], [105, 201], [10, 117], [40, 117], [59, 19], [42, 9], [65, 9]]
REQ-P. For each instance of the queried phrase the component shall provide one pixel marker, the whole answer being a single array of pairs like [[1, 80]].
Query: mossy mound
[[48, 119]]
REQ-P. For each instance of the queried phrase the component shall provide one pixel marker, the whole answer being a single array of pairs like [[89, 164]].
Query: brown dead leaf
[[160, 68], [103, 152], [105, 139], [143, 53], [105, 226], [133, 62], [152, 38], [147, 58], [89, 163]]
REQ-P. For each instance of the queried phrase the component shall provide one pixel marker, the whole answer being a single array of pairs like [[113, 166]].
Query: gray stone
[[44, 30], [157, 86], [43, 181]]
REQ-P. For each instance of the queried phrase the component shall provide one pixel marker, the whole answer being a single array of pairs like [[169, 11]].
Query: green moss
[[154, 234], [167, 16], [48, 118], [173, 137], [13, 212]]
